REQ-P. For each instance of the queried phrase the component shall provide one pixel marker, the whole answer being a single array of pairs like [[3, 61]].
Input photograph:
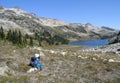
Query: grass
[[23, 67], [61, 69], [18, 79]]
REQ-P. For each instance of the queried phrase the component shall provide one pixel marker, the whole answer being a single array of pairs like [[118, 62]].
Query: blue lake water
[[89, 43]]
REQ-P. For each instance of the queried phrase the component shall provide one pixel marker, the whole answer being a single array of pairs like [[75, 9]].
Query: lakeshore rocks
[[115, 48]]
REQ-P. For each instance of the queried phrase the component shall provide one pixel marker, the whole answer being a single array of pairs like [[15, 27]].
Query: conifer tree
[[24, 41], [26, 36], [31, 41], [19, 37], [2, 35], [15, 37]]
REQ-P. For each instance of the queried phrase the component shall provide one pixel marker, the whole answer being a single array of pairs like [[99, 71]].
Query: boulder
[[115, 39]]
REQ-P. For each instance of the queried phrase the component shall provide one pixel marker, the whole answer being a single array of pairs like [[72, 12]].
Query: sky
[[97, 12]]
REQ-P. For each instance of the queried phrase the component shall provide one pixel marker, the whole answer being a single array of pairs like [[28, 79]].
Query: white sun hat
[[37, 55]]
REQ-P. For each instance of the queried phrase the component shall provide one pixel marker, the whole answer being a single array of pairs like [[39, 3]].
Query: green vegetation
[[39, 38], [75, 66], [50, 38]]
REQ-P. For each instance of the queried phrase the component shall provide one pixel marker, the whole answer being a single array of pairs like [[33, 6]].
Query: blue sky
[[96, 12]]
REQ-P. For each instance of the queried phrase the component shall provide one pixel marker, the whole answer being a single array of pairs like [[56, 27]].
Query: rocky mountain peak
[[18, 18], [1, 7], [53, 22], [88, 24], [44, 21]]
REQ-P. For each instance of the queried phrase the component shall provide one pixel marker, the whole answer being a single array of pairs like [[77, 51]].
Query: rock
[[6, 71], [94, 59], [115, 39], [82, 57], [111, 60], [32, 70], [63, 53], [51, 51], [3, 70]]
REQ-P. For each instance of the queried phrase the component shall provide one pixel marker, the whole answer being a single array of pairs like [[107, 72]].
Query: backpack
[[32, 62], [33, 59]]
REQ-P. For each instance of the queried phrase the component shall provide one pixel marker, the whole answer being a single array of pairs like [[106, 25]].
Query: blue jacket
[[37, 61]]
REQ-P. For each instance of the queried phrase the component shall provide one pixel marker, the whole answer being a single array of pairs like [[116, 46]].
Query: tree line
[[39, 38]]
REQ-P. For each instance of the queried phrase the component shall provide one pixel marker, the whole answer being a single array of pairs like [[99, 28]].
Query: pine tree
[[19, 37], [9, 35], [39, 41], [2, 35], [31, 41], [24, 41], [15, 37], [26, 36], [36, 35]]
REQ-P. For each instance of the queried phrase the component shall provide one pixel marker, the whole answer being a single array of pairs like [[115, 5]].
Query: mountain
[[63, 63], [115, 39], [18, 19]]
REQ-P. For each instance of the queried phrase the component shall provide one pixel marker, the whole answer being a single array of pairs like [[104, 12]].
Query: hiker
[[35, 62], [38, 61], [38, 64]]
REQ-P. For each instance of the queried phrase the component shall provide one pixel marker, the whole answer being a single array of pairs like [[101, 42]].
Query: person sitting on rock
[[35, 62], [38, 64]]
